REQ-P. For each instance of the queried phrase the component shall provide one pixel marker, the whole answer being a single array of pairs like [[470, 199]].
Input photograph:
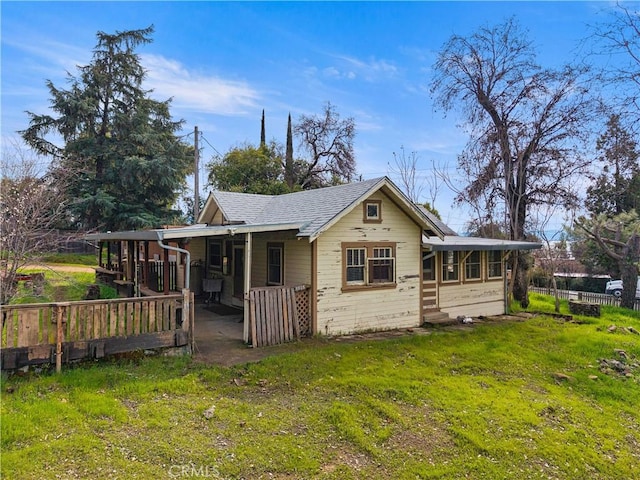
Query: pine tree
[[128, 167]]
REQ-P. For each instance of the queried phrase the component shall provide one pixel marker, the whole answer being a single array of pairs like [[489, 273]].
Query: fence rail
[[599, 298], [44, 333]]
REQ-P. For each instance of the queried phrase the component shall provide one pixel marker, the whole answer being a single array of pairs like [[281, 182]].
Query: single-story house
[[369, 257]]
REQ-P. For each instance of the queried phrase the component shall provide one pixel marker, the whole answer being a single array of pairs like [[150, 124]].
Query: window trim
[[365, 213], [275, 246], [368, 247]]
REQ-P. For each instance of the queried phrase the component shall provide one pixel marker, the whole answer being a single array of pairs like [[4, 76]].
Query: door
[[238, 272]]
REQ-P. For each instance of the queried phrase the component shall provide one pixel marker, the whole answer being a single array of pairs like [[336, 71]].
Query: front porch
[[265, 272]]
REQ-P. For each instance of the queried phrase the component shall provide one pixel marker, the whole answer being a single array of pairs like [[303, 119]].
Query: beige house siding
[[297, 258], [472, 299], [198, 249], [341, 312]]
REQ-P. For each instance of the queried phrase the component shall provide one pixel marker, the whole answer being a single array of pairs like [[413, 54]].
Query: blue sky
[[223, 63]]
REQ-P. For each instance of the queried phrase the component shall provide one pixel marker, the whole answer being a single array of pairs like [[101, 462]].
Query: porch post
[[108, 262], [131, 261], [146, 264], [119, 256], [101, 245], [165, 272], [247, 285]]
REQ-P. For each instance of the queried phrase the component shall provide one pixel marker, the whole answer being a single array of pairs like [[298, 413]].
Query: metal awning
[[458, 243]]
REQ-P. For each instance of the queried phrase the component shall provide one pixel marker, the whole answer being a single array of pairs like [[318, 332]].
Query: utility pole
[[196, 179]]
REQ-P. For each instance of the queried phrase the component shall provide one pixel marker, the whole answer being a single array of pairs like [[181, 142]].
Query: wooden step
[[437, 318]]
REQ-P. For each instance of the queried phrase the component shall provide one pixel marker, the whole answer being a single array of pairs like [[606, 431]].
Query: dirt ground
[[62, 268]]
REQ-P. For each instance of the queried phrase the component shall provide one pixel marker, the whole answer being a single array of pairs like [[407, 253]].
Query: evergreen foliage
[[124, 163]]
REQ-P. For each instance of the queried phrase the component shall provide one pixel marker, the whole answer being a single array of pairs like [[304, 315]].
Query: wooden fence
[[61, 332], [278, 314], [599, 298]]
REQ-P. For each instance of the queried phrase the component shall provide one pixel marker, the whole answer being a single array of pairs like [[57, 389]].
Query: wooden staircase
[[436, 318]]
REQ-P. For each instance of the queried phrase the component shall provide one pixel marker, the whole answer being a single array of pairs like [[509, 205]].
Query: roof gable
[[316, 210]]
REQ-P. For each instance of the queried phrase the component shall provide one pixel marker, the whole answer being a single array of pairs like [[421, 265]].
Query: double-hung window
[[472, 266], [355, 265], [368, 265], [381, 265], [450, 266], [494, 264]]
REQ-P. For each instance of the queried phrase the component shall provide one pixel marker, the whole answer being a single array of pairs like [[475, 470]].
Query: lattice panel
[[303, 311]]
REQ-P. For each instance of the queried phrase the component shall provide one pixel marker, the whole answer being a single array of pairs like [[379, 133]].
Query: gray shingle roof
[[436, 221], [313, 208]]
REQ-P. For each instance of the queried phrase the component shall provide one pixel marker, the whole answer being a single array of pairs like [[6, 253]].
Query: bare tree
[[405, 168], [524, 121], [329, 142], [619, 238], [619, 39], [30, 208]]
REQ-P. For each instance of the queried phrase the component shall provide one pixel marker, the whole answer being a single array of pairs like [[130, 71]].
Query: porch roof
[[192, 231], [458, 243]]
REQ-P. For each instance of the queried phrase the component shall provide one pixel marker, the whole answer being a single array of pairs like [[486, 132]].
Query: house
[[369, 257]]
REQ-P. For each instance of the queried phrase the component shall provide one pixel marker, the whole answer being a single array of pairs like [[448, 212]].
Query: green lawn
[[482, 403]]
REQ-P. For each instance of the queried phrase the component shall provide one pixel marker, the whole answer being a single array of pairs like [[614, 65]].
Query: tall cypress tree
[[263, 140], [124, 164], [288, 162]]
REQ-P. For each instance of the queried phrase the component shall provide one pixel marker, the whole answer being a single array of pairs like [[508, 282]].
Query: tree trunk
[[629, 273]]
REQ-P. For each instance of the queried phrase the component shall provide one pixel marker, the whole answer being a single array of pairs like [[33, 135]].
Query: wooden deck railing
[[278, 314], [61, 332]]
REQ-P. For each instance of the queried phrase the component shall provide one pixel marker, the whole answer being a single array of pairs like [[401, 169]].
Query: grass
[[88, 259], [59, 286], [477, 403]]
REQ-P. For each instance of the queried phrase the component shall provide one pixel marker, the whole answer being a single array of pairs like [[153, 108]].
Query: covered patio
[[218, 265]]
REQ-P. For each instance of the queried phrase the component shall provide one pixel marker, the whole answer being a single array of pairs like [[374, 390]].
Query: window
[[381, 265], [355, 265], [214, 254], [429, 267], [450, 264], [275, 263], [373, 211], [368, 265], [494, 264], [472, 266]]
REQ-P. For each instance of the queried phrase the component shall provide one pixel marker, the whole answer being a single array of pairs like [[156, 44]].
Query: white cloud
[[197, 92]]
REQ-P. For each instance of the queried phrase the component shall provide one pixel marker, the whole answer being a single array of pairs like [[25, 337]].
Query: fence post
[[60, 310], [192, 314]]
